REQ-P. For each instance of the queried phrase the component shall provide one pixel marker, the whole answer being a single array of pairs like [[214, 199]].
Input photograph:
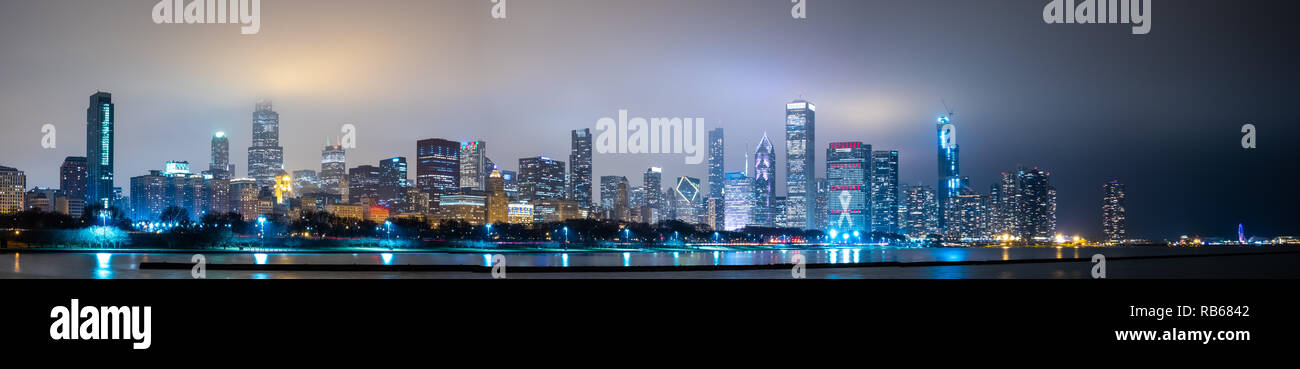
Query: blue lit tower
[[100, 130], [950, 181]]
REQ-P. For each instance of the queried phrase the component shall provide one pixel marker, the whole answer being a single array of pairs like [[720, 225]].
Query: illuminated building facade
[[738, 200], [848, 187], [437, 171], [764, 184], [800, 162], [541, 178], [474, 167], [13, 185], [580, 176], [265, 156], [334, 170], [1114, 216], [884, 192], [100, 146]]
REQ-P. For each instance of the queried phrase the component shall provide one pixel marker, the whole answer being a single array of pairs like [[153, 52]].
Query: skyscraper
[[100, 131], [149, 195], [541, 178], [950, 181], [511, 180], [72, 178], [364, 182], [717, 170], [764, 185], [800, 161], [822, 200], [265, 156], [334, 170], [13, 188], [474, 167], [884, 191], [1003, 197], [438, 169], [1034, 211], [609, 194], [848, 187], [72, 184], [967, 216], [652, 184], [1114, 216], [739, 201], [220, 166], [580, 168], [688, 200], [922, 211], [497, 201], [392, 183]]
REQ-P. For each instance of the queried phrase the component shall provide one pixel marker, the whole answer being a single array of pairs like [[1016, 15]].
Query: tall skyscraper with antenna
[[265, 156]]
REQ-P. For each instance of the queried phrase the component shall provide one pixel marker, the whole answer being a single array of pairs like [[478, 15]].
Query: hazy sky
[[1090, 103]]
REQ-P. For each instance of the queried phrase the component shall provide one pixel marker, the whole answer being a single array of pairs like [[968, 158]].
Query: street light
[[261, 225]]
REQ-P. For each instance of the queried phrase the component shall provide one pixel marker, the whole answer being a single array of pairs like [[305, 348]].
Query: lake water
[[1268, 263]]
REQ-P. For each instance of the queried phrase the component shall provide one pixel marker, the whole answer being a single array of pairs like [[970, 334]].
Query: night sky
[[1161, 112]]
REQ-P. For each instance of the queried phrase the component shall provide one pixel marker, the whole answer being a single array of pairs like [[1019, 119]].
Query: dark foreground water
[[1262, 262]]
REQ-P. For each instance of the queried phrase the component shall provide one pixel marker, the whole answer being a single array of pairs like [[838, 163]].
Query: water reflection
[[564, 260], [260, 259], [627, 259], [388, 258], [17, 268], [104, 270]]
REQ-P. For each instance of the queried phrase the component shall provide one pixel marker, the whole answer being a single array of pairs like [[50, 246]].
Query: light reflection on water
[[126, 265]]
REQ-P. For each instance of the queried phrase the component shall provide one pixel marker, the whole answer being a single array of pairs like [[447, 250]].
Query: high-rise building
[[220, 166], [364, 182], [392, 183], [72, 182], [498, 204], [511, 180], [823, 201], [884, 192], [580, 168], [100, 131], [967, 216], [306, 182], [950, 180], [738, 201], [614, 196], [764, 179], [922, 211], [800, 162], [1114, 216], [265, 156], [334, 170], [1035, 216], [1003, 197], [652, 185], [717, 171], [474, 167], [149, 196], [541, 178], [438, 169], [688, 200], [848, 187], [243, 198], [13, 188]]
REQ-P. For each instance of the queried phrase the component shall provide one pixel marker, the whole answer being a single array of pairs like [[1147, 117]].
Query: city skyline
[[1155, 188]]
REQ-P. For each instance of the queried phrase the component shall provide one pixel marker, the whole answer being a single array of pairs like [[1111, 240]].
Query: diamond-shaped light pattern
[[688, 190]]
